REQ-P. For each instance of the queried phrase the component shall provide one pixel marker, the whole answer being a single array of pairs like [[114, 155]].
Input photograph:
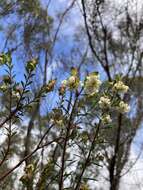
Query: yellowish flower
[[106, 119], [92, 83], [31, 65], [120, 87], [59, 122], [3, 88], [16, 94], [123, 107], [73, 82], [104, 102]]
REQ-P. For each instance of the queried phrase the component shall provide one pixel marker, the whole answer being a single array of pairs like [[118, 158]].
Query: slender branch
[[104, 30], [105, 67], [6, 152], [65, 143], [87, 160], [88, 32], [114, 158], [59, 26], [39, 146]]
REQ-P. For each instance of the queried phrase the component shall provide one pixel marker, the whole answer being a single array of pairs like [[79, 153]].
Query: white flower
[[104, 102], [16, 94], [120, 87], [92, 83], [73, 82], [59, 122], [106, 119], [123, 107], [3, 88]]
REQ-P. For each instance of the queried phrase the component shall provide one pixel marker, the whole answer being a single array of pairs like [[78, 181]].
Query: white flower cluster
[[120, 87], [104, 102], [72, 82], [123, 107], [58, 122], [16, 94], [92, 84], [106, 119]]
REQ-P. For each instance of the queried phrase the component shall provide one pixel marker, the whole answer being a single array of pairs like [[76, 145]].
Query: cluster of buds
[[50, 86], [62, 88], [57, 122], [106, 119], [57, 117], [119, 105], [71, 83], [91, 83], [17, 92], [5, 58], [6, 79], [31, 65], [28, 174]]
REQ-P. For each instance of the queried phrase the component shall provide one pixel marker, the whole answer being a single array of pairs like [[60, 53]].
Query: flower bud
[[6, 79], [62, 90], [31, 65], [73, 82], [50, 86], [106, 119]]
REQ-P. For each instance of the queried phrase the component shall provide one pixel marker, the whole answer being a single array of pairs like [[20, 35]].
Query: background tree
[[115, 43]]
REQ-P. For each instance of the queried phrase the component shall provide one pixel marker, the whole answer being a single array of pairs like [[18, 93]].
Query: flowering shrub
[[65, 124]]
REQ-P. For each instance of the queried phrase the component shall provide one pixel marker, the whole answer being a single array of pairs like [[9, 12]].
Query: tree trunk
[[114, 183]]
